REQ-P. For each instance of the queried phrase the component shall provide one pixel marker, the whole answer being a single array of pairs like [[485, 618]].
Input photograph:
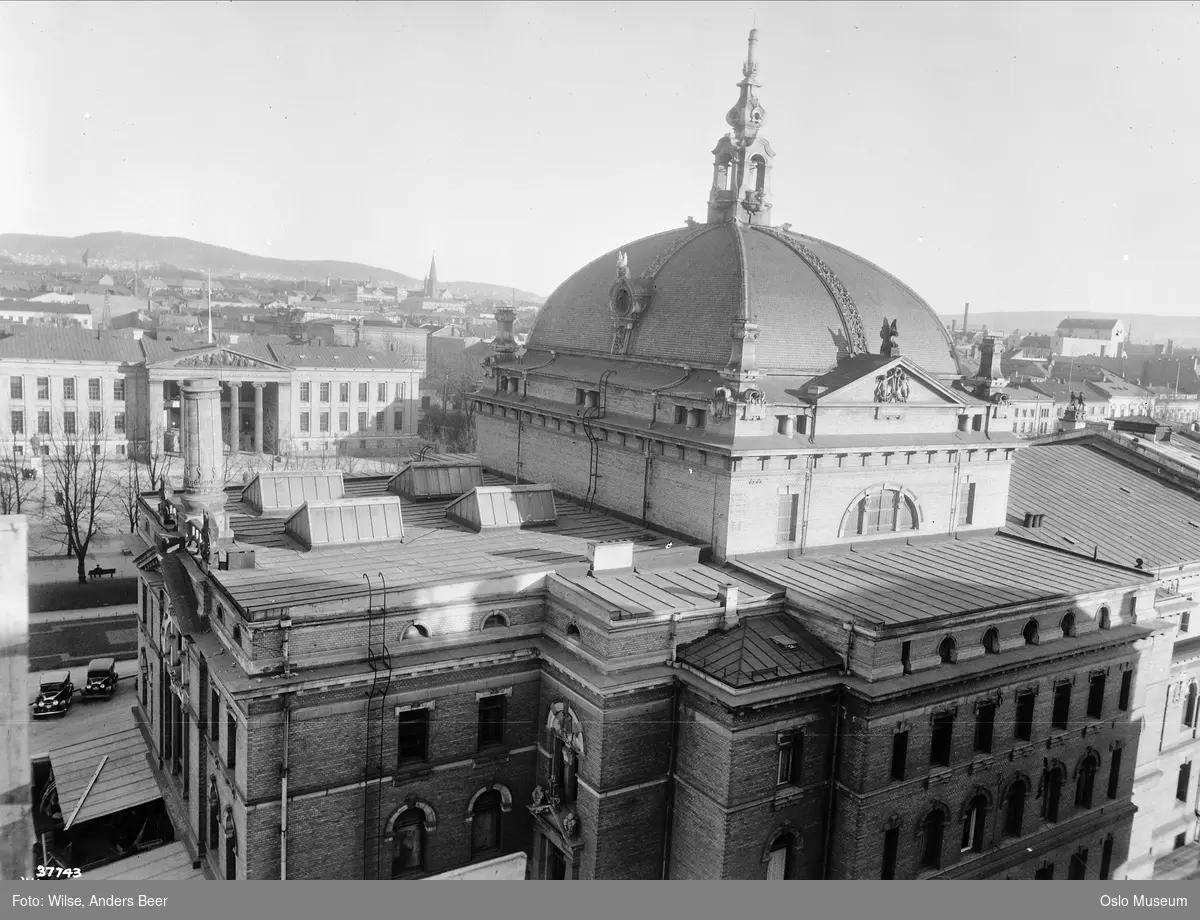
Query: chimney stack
[[727, 596], [987, 357], [966, 313]]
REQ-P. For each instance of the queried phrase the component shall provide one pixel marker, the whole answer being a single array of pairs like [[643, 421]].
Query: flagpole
[[210, 339]]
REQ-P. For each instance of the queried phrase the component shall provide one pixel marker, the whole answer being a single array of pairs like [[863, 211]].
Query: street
[[71, 638]]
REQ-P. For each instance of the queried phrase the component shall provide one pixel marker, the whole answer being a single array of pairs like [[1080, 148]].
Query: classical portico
[[255, 399]]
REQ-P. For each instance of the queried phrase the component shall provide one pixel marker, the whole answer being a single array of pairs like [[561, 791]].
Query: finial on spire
[[750, 68]]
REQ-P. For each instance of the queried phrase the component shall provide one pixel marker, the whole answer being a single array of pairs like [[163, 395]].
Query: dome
[[814, 303]]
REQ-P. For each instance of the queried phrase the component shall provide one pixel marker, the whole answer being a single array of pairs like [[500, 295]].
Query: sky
[[1017, 156]]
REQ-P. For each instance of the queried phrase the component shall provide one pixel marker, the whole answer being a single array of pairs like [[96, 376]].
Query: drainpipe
[[835, 758], [669, 813], [283, 798]]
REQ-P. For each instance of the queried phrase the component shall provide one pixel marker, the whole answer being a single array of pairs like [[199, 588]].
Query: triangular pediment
[[875, 379], [219, 358]]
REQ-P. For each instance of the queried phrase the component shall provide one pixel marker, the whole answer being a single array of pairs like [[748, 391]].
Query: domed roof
[[814, 303]]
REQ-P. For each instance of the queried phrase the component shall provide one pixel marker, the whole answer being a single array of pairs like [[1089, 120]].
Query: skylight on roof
[[784, 642], [1125, 490]]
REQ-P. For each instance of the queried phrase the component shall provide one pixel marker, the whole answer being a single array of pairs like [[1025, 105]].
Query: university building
[[280, 399], [736, 588]]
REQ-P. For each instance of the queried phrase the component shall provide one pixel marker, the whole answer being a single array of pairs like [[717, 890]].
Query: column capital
[[258, 384]]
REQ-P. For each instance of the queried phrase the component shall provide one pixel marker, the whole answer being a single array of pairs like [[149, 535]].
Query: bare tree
[[77, 465], [15, 488]]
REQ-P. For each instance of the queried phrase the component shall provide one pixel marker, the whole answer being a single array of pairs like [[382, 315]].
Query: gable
[[893, 382], [220, 357]]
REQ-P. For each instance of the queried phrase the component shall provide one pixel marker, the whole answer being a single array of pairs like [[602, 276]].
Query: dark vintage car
[[101, 680], [55, 693]]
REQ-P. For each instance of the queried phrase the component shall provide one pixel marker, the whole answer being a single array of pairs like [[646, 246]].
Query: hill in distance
[[122, 250], [1184, 330]]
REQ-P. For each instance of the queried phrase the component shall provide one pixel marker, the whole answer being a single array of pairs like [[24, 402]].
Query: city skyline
[[1036, 155]]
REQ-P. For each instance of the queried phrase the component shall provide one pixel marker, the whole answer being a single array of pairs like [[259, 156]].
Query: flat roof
[[125, 780], [1093, 501], [434, 550], [898, 585], [677, 589]]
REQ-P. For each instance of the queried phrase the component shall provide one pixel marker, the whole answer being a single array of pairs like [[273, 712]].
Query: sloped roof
[[350, 520], [357, 358], [30, 306], [166, 863], [1072, 323], [70, 345], [760, 648], [125, 780]]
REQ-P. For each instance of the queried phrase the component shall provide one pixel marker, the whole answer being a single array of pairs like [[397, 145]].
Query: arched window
[[1085, 781], [408, 843], [948, 650], [214, 816], [495, 621], [759, 166], [1030, 632], [1014, 811], [780, 860], [1053, 797], [573, 632], [1068, 625], [881, 511], [1189, 707], [1105, 618], [974, 821], [485, 823], [231, 845], [991, 641], [237, 634], [934, 828], [415, 631]]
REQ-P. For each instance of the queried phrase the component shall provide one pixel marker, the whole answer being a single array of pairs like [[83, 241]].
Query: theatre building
[[737, 587]]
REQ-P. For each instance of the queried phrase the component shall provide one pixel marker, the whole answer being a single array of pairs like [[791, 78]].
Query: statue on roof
[[890, 334], [622, 265]]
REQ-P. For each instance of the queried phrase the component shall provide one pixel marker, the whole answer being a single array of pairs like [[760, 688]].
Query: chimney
[[727, 596], [987, 356], [610, 556], [505, 343], [966, 313]]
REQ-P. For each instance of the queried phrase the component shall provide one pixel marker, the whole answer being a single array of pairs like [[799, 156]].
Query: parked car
[[54, 696], [101, 679]]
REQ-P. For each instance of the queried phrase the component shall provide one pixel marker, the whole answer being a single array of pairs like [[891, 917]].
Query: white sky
[[1014, 155]]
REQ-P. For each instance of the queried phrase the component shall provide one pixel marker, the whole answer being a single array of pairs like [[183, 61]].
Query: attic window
[[785, 643]]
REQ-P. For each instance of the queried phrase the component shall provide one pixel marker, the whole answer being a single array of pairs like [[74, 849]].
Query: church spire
[[431, 280], [742, 160]]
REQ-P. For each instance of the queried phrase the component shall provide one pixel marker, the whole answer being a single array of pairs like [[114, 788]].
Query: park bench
[[97, 572]]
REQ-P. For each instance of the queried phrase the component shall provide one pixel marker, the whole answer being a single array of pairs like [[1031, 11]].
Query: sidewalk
[[83, 613]]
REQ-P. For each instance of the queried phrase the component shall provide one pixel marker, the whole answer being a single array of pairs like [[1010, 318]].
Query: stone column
[[203, 448], [235, 416], [16, 811], [258, 419]]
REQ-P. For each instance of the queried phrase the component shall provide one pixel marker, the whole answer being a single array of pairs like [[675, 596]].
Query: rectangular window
[[94, 422], [362, 421], [18, 423], [1126, 687], [1185, 621], [397, 421], [68, 422], [304, 420], [941, 737], [1078, 866], [43, 421], [1023, 726], [985, 726], [899, 754], [381, 395], [305, 392], [1185, 778], [1106, 857], [362, 392], [343, 421], [788, 766], [324, 421], [491, 720], [43, 388], [413, 742], [325, 392], [214, 718], [400, 392], [891, 847], [94, 389], [231, 742], [119, 422], [1095, 706], [1114, 773], [906, 657], [1045, 872], [966, 503], [785, 529], [1062, 705], [343, 392], [16, 387], [69, 389], [379, 421], [119, 390]]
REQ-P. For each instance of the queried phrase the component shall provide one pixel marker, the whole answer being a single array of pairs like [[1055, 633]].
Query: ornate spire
[[742, 160], [747, 116], [431, 279]]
